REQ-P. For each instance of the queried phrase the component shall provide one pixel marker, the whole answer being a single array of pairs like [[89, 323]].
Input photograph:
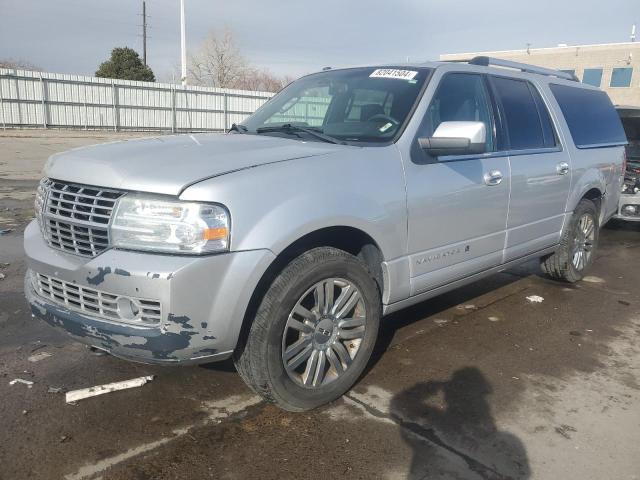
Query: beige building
[[614, 67]]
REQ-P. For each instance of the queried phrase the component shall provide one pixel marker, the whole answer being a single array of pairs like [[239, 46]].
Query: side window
[[522, 113], [590, 115], [550, 139], [461, 97]]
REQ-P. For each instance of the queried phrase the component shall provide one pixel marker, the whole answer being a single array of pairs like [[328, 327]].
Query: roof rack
[[523, 67]]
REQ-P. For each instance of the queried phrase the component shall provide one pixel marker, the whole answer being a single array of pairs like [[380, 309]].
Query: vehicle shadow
[[434, 306], [452, 433], [622, 225]]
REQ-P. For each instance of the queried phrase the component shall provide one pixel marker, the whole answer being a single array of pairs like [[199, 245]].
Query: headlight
[[147, 223]]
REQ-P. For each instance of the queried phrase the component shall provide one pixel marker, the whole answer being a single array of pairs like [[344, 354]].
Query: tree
[[125, 64], [219, 63], [262, 80], [18, 64]]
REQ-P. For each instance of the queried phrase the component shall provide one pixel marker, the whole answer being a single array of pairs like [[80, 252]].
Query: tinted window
[[621, 77], [590, 115], [548, 131], [592, 76], [461, 97], [523, 125]]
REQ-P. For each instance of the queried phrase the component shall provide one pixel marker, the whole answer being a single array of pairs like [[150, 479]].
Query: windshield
[[368, 105]]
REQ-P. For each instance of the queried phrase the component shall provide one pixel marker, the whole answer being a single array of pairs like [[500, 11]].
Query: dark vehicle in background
[[629, 208]]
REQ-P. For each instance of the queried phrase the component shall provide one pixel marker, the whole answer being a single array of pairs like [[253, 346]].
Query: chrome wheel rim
[[323, 333], [583, 243]]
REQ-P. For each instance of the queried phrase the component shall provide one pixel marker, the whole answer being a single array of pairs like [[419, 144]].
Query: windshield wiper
[[288, 127], [237, 127]]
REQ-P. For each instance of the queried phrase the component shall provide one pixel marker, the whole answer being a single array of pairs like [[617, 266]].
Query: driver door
[[457, 214]]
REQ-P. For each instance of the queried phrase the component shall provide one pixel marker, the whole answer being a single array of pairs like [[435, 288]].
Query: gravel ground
[[479, 383]]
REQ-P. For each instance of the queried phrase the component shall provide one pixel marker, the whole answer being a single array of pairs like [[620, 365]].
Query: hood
[[169, 164]]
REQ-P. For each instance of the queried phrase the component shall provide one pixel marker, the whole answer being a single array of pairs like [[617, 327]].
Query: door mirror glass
[[456, 138]]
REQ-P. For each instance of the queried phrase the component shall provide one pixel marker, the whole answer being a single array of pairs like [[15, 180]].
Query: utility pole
[[183, 44], [144, 33]]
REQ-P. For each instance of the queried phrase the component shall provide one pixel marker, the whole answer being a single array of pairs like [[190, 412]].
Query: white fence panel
[[38, 99]]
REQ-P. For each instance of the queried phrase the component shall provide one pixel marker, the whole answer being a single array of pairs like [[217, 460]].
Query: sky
[[294, 37]]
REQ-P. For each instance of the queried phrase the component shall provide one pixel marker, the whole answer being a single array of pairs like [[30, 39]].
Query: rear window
[[592, 120]]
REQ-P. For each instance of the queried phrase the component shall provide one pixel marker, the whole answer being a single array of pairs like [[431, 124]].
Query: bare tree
[[219, 63], [18, 64], [262, 80]]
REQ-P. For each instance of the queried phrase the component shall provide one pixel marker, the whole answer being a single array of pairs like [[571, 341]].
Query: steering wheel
[[381, 117]]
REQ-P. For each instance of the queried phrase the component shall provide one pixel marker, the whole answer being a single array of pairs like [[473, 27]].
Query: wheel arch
[[591, 184], [348, 238], [595, 195]]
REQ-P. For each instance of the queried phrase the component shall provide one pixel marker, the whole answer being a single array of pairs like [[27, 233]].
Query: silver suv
[[352, 194]]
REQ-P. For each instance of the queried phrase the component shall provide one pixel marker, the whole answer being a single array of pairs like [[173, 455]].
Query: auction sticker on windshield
[[394, 73]]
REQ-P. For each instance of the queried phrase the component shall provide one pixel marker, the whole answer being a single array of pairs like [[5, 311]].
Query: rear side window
[[590, 115], [528, 123]]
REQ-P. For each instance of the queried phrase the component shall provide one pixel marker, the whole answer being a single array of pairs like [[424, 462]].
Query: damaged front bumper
[[144, 307]]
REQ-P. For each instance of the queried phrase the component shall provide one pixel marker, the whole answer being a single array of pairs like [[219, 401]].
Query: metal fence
[[51, 100]]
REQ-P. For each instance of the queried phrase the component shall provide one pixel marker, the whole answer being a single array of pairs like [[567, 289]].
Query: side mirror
[[456, 138]]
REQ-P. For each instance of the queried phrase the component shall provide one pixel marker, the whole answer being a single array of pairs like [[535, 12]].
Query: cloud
[[299, 36]]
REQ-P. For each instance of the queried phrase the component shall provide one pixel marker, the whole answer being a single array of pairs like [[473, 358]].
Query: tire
[[562, 264], [274, 333]]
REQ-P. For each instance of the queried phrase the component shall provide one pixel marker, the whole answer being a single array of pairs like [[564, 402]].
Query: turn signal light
[[216, 233]]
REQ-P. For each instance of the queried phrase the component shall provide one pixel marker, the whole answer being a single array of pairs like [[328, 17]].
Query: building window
[[570, 72], [621, 77], [592, 76]]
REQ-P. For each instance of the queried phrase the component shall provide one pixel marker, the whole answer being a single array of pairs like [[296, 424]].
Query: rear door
[[540, 168]]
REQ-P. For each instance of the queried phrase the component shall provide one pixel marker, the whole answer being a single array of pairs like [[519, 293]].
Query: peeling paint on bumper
[[203, 299]]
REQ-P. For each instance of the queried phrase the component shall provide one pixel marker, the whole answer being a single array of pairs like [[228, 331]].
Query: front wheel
[[313, 332], [576, 251]]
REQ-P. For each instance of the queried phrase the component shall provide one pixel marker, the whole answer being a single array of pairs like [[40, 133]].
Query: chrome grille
[[95, 302], [87, 241], [76, 218]]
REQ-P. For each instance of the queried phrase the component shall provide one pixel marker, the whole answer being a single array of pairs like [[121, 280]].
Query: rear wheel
[[576, 252], [314, 331]]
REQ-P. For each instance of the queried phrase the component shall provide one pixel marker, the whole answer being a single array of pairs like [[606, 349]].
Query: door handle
[[562, 168], [494, 177]]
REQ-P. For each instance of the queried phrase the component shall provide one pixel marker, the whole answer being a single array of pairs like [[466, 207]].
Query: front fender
[[274, 205], [303, 214]]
